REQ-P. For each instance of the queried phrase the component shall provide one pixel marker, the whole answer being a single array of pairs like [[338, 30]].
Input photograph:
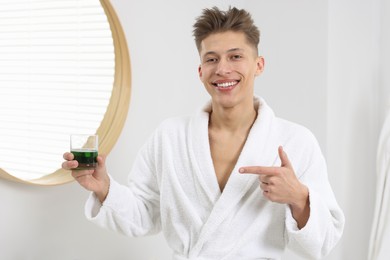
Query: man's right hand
[[96, 180]]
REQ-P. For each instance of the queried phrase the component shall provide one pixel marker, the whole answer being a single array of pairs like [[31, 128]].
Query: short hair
[[215, 21]]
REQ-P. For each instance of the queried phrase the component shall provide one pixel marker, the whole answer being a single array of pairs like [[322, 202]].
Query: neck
[[233, 119]]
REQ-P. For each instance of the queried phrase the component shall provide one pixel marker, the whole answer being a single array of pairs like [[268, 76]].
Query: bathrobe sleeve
[[326, 221], [132, 210]]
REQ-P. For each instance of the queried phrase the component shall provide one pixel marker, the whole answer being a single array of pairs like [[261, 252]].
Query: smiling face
[[229, 65]]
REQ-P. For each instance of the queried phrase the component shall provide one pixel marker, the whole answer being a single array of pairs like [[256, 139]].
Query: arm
[[326, 222], [280, 184], [314, 222], [133, 210]]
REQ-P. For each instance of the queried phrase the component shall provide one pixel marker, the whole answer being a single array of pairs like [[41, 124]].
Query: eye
[[236, 57], [211, 60]]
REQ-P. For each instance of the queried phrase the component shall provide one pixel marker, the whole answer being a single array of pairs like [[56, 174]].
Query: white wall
[[384, 62], [352, 118], [312, 76]]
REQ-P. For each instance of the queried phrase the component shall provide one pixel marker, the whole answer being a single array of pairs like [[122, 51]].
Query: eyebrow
[[228, 51]]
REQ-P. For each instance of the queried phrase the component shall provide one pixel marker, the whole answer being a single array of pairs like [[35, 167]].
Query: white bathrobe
[[174, 189]]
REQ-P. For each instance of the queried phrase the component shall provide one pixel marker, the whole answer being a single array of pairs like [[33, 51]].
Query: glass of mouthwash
[[85, 150]]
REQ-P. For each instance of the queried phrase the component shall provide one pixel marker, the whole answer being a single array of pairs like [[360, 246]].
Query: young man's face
[[229, 65]]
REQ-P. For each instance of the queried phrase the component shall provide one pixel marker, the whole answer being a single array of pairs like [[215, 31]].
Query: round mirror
[[65, 70]]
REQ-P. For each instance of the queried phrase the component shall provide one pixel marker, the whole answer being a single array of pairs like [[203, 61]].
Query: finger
[[264, 178], [263, 186], [266, 190], [69, 165], [82, 173], [260, 170], [68, 156], [101, 160], [268, 195], [285, 162]]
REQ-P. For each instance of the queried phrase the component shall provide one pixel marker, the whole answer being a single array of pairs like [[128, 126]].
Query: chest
[[225, 151]]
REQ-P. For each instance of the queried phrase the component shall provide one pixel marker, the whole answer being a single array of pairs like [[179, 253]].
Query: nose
[[223, 68]]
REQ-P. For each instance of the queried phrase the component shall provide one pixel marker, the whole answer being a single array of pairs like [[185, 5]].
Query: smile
[[226, 84]]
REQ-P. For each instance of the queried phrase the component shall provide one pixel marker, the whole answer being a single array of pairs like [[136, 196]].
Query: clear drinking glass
[[85, 150]]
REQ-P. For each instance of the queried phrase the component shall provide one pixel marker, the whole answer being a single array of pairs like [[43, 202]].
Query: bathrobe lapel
[[260, 149], [199, 149]]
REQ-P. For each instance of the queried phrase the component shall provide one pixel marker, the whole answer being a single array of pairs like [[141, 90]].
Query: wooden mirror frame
[[114, 119]]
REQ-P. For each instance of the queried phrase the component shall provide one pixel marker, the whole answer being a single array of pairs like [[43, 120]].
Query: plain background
[[326, 64]]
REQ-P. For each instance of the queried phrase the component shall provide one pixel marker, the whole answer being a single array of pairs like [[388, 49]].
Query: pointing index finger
[[259, 170]]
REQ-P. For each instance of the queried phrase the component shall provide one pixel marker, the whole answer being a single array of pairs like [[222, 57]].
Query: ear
[[259, 65], [200, 71]]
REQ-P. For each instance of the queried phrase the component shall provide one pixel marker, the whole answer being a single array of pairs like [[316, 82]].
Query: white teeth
[[226, 84]]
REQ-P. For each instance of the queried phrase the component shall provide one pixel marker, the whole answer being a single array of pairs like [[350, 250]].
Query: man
[[220, 184]]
